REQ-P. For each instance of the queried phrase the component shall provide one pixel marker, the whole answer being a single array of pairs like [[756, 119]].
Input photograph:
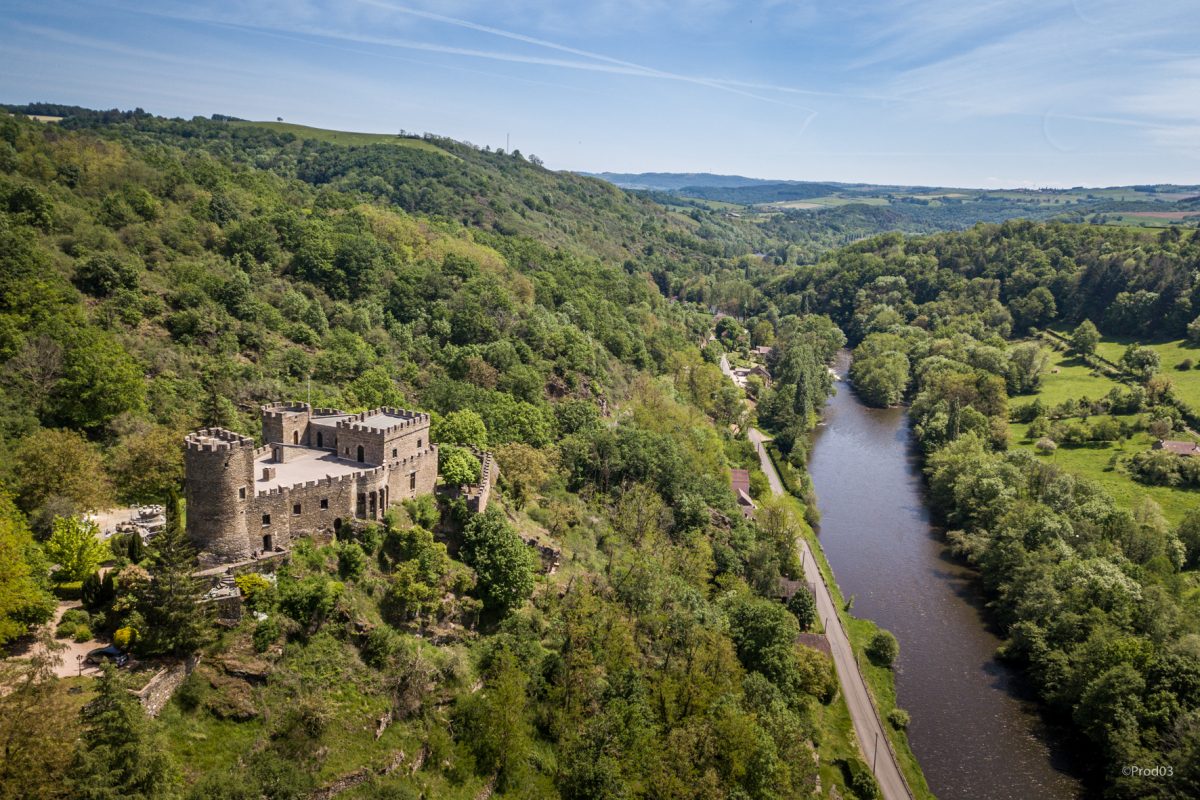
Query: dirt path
[[867, 726]]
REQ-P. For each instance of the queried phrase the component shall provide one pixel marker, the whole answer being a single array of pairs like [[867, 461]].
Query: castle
[[319, 468]]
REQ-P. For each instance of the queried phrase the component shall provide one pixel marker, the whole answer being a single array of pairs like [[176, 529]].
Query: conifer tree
[[118, 755], [173, 619]]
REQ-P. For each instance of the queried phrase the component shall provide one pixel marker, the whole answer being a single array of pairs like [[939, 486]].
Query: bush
[[124, 637], [266, 632], [71, 620], [190, 692], [1046, 445], [352, 561], [1185, 365], [70, 590], [883, 649], [859, 779], [82, 633], [898, 718], [380, 645], [423, 511]]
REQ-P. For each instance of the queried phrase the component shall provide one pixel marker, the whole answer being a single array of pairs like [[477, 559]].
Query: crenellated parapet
[[211, 440]]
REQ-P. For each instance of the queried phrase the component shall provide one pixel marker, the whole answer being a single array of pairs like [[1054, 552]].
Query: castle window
[[418, 444], [324, 502], [295, 437], [412, 481], [361, 454], [266, 520], [296, 510], [320, 439], [394, 451], [241, 493]]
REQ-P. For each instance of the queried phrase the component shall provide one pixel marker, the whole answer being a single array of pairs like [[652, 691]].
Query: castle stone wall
[[219, 468], [229, 519]]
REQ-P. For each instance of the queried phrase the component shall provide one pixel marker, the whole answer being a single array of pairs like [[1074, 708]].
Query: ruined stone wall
[[219, 472]]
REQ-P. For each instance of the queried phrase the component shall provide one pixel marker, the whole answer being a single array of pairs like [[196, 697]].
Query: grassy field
[[344, 137], [1070, 379], [1094, 461], [1187, 382]]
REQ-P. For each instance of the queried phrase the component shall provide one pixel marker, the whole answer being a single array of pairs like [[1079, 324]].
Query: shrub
[[883, 649], [190, 692], [1185, 365], [266, 632], [71, 620], [859, 779], [82, 633], [380, 645], [1046, 445], [898, 718], [258, 591], [124, 637], [352, 561]]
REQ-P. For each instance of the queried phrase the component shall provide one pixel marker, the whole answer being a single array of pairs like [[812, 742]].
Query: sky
[[973, 93]]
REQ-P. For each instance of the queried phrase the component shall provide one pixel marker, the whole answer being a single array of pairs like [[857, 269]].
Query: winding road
[[872, 738]]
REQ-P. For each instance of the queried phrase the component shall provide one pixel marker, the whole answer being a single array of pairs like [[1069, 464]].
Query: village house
[[1177, 447], [739, 481]]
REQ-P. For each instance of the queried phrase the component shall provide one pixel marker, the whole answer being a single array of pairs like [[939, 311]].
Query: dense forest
[[160, 275]]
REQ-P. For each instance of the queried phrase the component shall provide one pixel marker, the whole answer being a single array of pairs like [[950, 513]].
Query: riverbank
[[879, 681], [881, 745], [973, 729]]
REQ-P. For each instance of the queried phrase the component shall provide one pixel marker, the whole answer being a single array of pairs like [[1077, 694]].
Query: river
[[975, 733]]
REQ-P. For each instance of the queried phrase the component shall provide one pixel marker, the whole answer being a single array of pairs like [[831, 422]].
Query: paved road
[[863, 714]]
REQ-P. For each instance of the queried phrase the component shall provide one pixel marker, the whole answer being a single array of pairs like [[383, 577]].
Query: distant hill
[[676, 181]]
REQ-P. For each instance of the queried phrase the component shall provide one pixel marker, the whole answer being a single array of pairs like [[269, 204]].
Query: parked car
[[110, 653]]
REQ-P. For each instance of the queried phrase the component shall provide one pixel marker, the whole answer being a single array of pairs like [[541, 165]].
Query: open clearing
[[344, 137]]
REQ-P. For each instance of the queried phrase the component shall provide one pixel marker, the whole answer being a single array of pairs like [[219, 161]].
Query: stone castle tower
[[318, 468]]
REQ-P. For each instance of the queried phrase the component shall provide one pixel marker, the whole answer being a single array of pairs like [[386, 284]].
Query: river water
[[974, 731]]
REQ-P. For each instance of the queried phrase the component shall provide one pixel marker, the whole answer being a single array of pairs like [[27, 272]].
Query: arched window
[[362, 456], [295, 437], [320, 439]]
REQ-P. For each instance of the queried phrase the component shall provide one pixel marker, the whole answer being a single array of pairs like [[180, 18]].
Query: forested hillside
[[159, 275], [1098, 600]]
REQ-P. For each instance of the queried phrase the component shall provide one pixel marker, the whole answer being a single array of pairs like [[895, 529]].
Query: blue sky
[[952, 92]]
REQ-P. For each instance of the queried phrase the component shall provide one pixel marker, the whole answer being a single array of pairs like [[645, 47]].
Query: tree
[[59, 463], [524, 469], [173, 620], [76, 548], [119, 754], [1084, 338], [458, 466], [100, 382], [24, 599], [1027, 362], [37, 721], [461, 427], [505, 564], [804, 607], [1193, 332], [147, 463], [883, 648], [1140, 362], [494, 724]]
